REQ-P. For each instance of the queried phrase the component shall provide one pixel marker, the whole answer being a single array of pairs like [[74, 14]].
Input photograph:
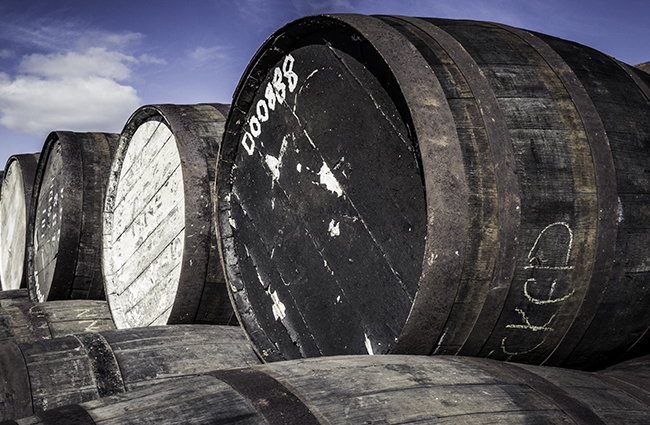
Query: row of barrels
[[379, 185]]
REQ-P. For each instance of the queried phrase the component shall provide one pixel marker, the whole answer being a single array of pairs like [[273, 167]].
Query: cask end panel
[[161, 263], [15, 202]]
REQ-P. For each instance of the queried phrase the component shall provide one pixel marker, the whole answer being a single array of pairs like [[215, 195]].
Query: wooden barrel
[[160, 258], [46, 374], [15, 201], [373, 390], [27, 321], [64, 228], [13, 296], [401, 185]]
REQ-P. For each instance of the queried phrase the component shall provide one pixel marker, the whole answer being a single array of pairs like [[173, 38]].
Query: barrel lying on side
[[46, 374], [15, 201], [401, 185], [14, 296], [160, 257], [64, 229], [373, 389], [27, 321]]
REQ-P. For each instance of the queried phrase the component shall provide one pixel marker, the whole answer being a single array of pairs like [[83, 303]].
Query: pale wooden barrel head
[[14, 207], [146, 235], [159, 248]]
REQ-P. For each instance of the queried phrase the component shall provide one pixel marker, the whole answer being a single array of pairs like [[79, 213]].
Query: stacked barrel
[[468, 195]]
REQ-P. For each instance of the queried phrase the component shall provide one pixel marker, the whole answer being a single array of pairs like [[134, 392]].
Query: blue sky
[[84, 65]]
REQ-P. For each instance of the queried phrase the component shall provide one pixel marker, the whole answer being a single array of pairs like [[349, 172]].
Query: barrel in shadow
[[374, 389], [64, 228], [160, 256], [13, 296], [27, 321], [402, 185], [46, 374], [15, 201]]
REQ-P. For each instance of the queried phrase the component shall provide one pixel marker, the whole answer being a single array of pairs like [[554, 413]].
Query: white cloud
[[34, 105], [96, 61], [6, 54], [77, 91]]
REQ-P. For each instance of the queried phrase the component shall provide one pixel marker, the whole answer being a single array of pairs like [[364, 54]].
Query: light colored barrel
[[15, 201], [64, 228], [160, 257], [46, 374], [374, 390]]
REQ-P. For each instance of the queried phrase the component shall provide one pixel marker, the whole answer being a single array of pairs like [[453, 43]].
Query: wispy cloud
[[205, 55]]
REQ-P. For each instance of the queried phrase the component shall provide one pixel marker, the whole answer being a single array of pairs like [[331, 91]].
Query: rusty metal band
[[17, 391], [509, 211], [66, 415], [605, 174], [270, 398], [36, 319], [445, 182], [579, 412], [103, 362]]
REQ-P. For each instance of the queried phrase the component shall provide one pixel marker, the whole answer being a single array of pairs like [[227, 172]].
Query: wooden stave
[[200, 297], [14, 296], [26, 166], [86, 158], [390, 388], [265, 60], [57, 372], [28, 321]]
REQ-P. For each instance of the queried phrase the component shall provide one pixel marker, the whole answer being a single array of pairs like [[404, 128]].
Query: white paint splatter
[[334, 229], [299, 168], [327, 178], [620, 210], [279, 310], [369, 346], [274, 165], [338, 299]]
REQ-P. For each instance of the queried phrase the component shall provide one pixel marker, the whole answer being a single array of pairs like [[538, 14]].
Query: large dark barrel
[[27, 321], [15, 201], [160, 257], [64, 228], [46, 374], [373, 390], [402, 185]]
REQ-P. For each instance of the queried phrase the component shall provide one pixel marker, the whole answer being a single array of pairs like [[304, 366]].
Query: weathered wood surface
[[375, 389], [64, 228], [27, 321], [15, 201], [46, 374], [160, 257], [402, 185], [14, 296]]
